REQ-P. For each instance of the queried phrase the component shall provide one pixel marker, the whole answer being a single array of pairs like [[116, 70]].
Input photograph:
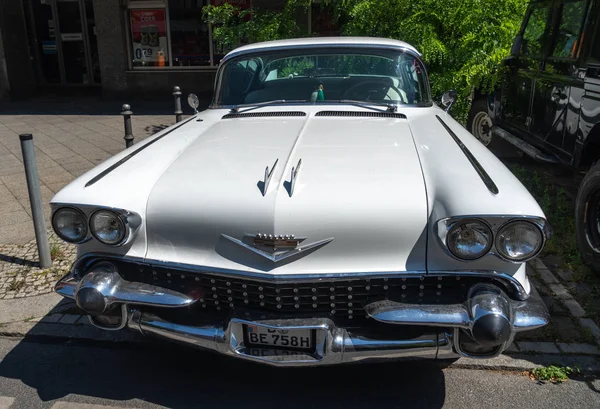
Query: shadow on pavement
[[180, 377]]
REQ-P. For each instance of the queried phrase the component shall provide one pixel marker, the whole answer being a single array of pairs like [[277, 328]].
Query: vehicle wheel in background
[[480, 123], [587, 217]]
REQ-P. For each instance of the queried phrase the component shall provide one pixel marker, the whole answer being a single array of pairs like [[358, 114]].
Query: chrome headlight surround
[[132, 221], [496, 223], [119, 223], [481, 236], [83, 221], [502, 250]]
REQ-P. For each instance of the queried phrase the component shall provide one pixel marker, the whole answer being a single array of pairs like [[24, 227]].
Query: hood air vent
[[263, 114], [362, 114]]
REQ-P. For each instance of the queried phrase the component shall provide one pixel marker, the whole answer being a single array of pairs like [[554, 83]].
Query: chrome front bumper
[[448, 329], [334, 345]]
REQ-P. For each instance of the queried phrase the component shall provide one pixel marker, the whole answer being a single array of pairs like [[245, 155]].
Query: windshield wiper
[[236, 109], [365, 104]]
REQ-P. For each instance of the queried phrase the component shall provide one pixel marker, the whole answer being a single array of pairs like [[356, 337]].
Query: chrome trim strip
[[487, 180], [234, 54], [135, 152], [86, 260], [391, 312], [282, 256]]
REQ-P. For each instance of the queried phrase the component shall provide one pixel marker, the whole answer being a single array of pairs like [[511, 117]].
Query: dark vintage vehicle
[[548, 104]]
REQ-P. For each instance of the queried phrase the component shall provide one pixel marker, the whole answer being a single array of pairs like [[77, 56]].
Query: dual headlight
[[515, 241], [73, 226]]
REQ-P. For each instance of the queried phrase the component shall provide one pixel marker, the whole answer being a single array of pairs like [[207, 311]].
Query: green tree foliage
[[463, 42]]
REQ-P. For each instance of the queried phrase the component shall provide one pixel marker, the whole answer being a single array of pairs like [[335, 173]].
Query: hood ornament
[[275, 247], [267, 179], [294, 176]]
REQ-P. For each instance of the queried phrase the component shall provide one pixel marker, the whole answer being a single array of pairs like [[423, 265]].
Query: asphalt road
[[35, 374]]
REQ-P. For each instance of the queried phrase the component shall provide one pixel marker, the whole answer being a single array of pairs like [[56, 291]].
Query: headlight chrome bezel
[[121, 220], [496, 223], [522, 259], [463, 223], [86, 236], [132, 221]]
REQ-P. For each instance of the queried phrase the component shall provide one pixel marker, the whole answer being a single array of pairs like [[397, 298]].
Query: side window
[[533, 36], [566, 40]]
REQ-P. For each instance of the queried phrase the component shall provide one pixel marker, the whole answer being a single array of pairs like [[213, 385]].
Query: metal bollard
[[178, 111], [127, 124], [35, 199]]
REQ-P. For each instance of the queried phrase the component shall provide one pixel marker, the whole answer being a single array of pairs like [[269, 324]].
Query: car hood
[[360, 183]]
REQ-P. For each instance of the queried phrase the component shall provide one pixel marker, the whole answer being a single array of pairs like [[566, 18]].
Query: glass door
[[73, 46]]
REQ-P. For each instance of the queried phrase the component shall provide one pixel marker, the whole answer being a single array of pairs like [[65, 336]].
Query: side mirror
[[448, 99], [516, 47], [194, 102]]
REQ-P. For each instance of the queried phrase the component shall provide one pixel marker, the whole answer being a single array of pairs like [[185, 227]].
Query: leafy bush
[[463, 42]]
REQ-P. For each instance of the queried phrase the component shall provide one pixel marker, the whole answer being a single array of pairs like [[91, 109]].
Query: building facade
[[138, 48]]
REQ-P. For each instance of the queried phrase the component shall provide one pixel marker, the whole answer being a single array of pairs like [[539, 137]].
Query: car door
[[517, 89], [560, 79]]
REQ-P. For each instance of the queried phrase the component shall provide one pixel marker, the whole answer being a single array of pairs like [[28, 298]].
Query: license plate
[[257, 335]]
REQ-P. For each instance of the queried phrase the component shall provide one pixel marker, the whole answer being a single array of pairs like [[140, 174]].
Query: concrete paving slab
[[21, 309]]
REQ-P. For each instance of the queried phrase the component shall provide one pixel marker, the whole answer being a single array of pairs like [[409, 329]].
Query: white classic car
[[322, 210]]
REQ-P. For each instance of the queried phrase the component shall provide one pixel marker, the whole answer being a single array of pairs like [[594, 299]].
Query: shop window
[[149, 37], [533, 37], [566, 41], [190, 37], [172, 33]]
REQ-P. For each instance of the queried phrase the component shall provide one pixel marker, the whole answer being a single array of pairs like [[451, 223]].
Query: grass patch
[[31, 317], [56, 253], [16, 285], [553, 373], [559, 209]]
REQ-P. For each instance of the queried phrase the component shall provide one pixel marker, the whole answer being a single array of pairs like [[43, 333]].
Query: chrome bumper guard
[[489, 318]]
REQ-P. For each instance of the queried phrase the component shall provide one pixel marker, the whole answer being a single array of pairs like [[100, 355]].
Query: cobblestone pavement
[[20, 275], [70, 139]]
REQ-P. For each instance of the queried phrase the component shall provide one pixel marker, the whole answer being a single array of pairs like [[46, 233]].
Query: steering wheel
[[373, 90]]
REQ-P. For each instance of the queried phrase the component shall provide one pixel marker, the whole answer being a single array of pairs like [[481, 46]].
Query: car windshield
[[315, 75]]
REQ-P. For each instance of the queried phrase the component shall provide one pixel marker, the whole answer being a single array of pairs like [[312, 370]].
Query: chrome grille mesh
[[339, 298]]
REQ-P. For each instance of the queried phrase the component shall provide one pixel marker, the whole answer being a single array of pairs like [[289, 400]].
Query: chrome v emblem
[[267, 179], [275, 247]]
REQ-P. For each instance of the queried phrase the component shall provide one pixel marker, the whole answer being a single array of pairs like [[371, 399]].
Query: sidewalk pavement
[[70, 137]]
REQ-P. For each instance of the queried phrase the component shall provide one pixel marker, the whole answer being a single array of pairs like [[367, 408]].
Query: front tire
[[587, 217]]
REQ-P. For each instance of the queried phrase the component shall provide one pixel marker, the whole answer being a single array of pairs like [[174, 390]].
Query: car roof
[[372, 42]]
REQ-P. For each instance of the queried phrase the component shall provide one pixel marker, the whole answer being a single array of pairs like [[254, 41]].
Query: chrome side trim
[[487, 180], [135, 152]]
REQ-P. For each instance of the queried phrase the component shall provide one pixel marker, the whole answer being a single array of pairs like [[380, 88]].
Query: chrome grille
[[331, 297]]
